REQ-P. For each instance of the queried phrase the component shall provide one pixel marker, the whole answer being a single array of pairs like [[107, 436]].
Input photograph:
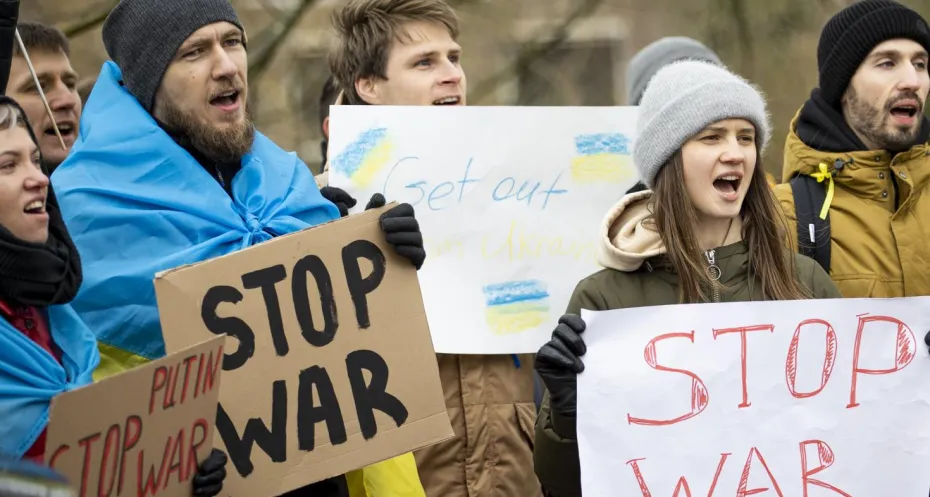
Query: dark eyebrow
[[426, 55], [193, 44]]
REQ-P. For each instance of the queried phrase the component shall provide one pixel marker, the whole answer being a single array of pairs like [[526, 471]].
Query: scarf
[[30, 377], [823, 128], [40, 275], [138, 203]]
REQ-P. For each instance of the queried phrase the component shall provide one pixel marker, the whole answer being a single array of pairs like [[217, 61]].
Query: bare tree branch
[[533, 51], [89, 22], [281, 30], [744, 34]]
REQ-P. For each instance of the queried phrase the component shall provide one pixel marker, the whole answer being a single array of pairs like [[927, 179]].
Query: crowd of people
[[167, 130]]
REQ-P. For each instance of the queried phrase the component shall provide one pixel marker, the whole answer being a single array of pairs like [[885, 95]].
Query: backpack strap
[[813, 230]]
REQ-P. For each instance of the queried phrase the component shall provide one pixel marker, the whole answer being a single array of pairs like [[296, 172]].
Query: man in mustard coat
[[857, 162]]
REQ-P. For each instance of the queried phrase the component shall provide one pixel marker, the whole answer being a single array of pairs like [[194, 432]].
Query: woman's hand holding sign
[[558, 364]]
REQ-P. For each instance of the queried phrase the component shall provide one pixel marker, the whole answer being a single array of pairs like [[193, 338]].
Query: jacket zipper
[[714, 272]]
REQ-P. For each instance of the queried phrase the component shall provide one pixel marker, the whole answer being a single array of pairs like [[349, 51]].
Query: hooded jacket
[[637, 274], [880, 210]]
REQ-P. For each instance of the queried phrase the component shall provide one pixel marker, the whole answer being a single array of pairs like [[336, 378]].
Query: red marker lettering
[[744, 479], [825, 460], [158, 382], [905, 347], [742, 341], [791, 363], [699, 395]]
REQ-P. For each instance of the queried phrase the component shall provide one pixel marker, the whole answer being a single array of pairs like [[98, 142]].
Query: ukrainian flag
[[364, 158], [516, 306], [603, 157]]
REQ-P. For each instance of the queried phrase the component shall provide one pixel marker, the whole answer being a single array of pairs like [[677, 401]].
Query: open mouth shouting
[[36, 207], [226, 101], [727, 185], [905, 112], [452, 100], [66, 127]]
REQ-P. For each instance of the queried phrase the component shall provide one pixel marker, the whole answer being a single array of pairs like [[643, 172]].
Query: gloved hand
[[558, 364], [927, 340], [340, 197], [402, 231], [377, 201], [210, 475]]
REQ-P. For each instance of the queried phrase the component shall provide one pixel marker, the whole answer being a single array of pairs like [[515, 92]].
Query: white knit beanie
[[681, 100]]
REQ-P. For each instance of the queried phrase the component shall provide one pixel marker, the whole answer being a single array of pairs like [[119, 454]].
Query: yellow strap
[[821, 176]]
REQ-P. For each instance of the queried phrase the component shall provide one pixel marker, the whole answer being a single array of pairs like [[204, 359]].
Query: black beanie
[[851, 34], [142, 37]]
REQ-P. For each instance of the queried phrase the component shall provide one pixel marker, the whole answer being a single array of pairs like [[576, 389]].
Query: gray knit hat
[[142, 37], [658, 54], [681, 100]]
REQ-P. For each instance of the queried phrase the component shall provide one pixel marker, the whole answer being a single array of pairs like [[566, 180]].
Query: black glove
[[558, 364], [927, 340], [210, 475], [403, 232], [340, 197], [377, 201]]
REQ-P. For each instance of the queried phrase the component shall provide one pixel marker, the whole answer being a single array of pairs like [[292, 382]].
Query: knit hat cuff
[[706, 104]]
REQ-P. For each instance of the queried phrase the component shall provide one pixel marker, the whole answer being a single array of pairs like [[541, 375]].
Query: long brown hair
[[764, 231]]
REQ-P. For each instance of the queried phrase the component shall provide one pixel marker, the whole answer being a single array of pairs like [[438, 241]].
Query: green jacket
[[637, 276]]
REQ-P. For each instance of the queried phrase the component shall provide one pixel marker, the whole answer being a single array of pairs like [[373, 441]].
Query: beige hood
[[624, 242]]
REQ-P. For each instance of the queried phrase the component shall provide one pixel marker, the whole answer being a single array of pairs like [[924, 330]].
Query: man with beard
[[857, 161], [170, 170]]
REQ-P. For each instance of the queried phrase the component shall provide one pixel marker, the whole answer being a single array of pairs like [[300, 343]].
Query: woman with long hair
[[45, 348], [708, 230]]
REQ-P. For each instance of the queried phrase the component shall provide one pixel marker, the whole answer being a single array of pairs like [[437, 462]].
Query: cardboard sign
[[510, 201], [792, 398], [330, 366], [140, 433]]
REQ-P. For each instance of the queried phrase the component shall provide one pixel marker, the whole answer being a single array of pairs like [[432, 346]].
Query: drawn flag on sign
[[515, 306]]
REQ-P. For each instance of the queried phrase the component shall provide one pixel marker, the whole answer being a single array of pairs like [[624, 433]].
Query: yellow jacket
[[395, 477], [877, 249]]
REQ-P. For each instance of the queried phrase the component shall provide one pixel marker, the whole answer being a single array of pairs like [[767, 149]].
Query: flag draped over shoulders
[[137, 203], [30, 377]]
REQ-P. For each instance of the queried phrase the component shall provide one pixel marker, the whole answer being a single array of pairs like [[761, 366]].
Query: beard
[[221, 145], [870, 122]]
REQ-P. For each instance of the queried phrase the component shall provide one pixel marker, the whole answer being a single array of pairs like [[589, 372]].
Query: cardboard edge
[[371, 213]]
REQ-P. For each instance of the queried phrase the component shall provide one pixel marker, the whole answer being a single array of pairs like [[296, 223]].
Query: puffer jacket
[[638, 275], [879, 213], [489, 399]]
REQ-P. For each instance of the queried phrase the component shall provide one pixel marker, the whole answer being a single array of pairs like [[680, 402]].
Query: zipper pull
[[712, 268]]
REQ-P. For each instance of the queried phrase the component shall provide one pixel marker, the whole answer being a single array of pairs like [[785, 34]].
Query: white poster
[[816, 398], [509, 200]]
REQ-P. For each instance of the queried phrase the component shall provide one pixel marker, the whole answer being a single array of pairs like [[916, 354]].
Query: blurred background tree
[[516, 52]]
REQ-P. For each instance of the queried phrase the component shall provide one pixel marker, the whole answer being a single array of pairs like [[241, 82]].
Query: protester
[[863, 137], [710, 232], [45, 348], [404, 52], [49, 52], [170, 171], [654, 56]]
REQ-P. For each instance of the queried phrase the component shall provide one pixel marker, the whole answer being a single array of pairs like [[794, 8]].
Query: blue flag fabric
[[136, 203], [30, 377]]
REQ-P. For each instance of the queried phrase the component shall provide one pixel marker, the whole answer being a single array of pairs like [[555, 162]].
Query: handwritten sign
[[510, 201], [140, 433], [806, 398], [330, 365]]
